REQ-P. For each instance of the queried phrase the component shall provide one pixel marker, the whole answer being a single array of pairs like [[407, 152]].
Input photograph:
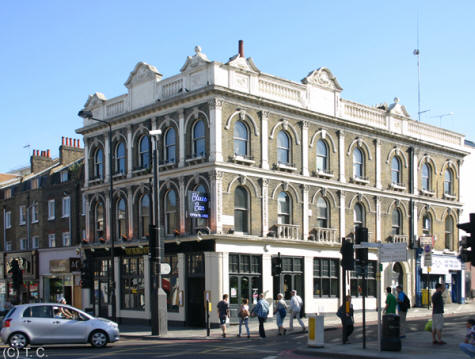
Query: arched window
[[359, 216], [121, 215], [358, 163], [322, 156], [99, 163], [284, 209], [199, 143], [241, 139], [396, 222], [395, 170], [283, 148], [120, 158], [427, 225], [144, 216], [448, 182], [170, 146], [322, 213], [426, 177], [99, 221], [241, 210], [171, 212], [144, 152], [449, 229]]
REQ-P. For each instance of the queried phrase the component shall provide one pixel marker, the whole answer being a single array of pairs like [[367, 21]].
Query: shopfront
[[445, 269]]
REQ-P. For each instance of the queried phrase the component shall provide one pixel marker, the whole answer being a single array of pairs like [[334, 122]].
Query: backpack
[[282, 312], [406, 302]]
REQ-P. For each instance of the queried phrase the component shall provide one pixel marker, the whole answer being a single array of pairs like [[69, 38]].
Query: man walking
[[223, 313], [390, 302], [437, 314], [261, 310], [296, 304], [345, 313], [402, 310]]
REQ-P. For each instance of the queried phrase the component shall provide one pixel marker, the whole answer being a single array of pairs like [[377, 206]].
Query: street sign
[[428, 259], [393, 252]]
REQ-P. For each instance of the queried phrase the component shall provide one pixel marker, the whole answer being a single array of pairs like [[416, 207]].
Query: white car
[[51, 323]]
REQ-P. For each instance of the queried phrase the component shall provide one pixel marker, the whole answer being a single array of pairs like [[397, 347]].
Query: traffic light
[[17, 274], [347, 254], [276, 265], [87, 279], [467, 242], [464, 244], [361, 235], [153, 248]]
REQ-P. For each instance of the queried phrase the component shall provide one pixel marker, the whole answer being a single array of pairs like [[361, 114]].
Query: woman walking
[[244, 316], [280, 311]]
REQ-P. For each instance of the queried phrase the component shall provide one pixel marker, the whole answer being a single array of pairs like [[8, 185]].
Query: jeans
[[262, 332], [402, 323], [297, 316], [468, 349], [245, 322]]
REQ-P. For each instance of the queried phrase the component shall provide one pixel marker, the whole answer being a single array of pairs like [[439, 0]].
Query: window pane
[[234, 263], [240, 139], [233, 288], [322, 154], [283, 148]]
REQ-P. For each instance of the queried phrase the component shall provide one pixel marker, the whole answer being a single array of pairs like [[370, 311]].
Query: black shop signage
[[198, 204]]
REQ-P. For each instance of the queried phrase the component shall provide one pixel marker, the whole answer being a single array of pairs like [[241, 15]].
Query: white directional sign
[[393, 252], [165, 268], [428, 259]]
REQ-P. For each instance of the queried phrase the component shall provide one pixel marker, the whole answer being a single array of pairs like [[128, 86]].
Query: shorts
[[279, 319], [222, 320], [437, 321]]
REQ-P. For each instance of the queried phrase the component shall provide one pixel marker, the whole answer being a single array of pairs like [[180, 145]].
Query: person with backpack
[[403, 306], [296, 305], [244, 317], [345, 313], [280, 312], [223, 313], [261, 310]]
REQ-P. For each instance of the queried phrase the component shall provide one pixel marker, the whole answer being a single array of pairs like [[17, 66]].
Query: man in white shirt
[[296, 304]]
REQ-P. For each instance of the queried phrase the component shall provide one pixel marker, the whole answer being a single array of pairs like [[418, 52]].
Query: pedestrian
[[437, 314], [244, 317], [261, 310], [468, 345], [280, 312], [223, 313], [296, 305], [390, 307], [403, 307], [345, 313]]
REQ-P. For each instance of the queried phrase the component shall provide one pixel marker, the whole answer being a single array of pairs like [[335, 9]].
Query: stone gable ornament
[[322, 77], [196, 60]]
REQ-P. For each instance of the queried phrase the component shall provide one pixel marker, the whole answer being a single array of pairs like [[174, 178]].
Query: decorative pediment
[[243, 63], [142, 72], [97, 99], [397, 109], [322, 77], [197, 59]]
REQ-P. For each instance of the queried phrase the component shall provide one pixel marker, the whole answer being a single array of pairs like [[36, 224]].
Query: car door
[[69, 326], [37, 322]]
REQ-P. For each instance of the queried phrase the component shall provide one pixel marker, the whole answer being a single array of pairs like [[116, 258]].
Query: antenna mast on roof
[[417, 53]]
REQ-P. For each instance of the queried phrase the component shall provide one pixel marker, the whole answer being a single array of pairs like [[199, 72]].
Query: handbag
[[428, 326]]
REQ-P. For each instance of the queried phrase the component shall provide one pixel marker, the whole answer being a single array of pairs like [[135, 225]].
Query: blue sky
[[55, 53]]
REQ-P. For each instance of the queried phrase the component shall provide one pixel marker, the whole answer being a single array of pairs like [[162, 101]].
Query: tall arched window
[[120, 158], [427, 225], [322, 213], [284, 209], [322, 156], [395, 170], [144, 216], [99, 221], [359, 216], [283, 148], [396, 222], [171, 212], [99, 163], [426, 177], [241, 139], [241, 210], [199, 141], [170, 146], [449, 229], [448, 182], [121, 215], [358, 163], [144, 152]]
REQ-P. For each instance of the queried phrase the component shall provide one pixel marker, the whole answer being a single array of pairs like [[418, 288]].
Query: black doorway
[[195, 288]]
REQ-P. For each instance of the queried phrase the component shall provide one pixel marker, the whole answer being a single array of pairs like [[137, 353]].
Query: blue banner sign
[[198, 204]]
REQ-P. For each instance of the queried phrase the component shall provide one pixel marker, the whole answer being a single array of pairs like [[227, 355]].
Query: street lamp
[[88, 114], [158, 311]]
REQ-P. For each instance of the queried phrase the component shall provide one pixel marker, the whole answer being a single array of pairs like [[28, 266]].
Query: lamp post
[[88, 114], [158, 311]]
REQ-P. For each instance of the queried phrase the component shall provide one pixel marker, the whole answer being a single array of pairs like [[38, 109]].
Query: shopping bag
[[428, 326]]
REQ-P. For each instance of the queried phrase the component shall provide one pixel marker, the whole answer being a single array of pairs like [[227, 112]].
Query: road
[[272, 347]]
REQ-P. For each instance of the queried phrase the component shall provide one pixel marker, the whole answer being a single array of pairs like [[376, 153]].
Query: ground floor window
[[357, 280], [245, 278], [170, 283], [433, 280], [326, 277], [291, 277], [132, 283]]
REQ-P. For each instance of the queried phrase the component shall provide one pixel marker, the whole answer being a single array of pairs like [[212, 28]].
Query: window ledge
[[51, 218], [167, 165], [119, 175], [397, 186], [35, 221], [427, 193], [243, 159], [140, 170], [286, 167], [197, 158], [360, 180], [323, 173], [449, 196], [96, 180]]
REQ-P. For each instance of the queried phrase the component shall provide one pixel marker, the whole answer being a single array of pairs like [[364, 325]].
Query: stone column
[[86, 163], [130, 212], [216, 198], [108, 208], [378, 163], [377, 200], [264, 140], [181, 138], [182, 197], [215, 123], [107, 149], [342, 214], [88, 220], [341, 156], [130, 154], [265, 206], [305, 148], [305, 221]]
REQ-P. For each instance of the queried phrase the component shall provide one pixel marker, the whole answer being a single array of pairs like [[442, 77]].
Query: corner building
[[288, 168]]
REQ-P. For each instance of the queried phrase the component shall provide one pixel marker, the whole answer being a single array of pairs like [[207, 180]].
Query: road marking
[[270, 357]]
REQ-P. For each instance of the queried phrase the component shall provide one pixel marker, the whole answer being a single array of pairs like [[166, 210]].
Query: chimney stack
[[241, 48]]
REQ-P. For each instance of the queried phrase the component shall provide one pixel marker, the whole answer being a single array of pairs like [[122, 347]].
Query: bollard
[[315, 331]]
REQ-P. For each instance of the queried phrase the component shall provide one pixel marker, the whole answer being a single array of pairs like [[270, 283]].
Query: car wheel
[[98, 339], [18, 340]]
